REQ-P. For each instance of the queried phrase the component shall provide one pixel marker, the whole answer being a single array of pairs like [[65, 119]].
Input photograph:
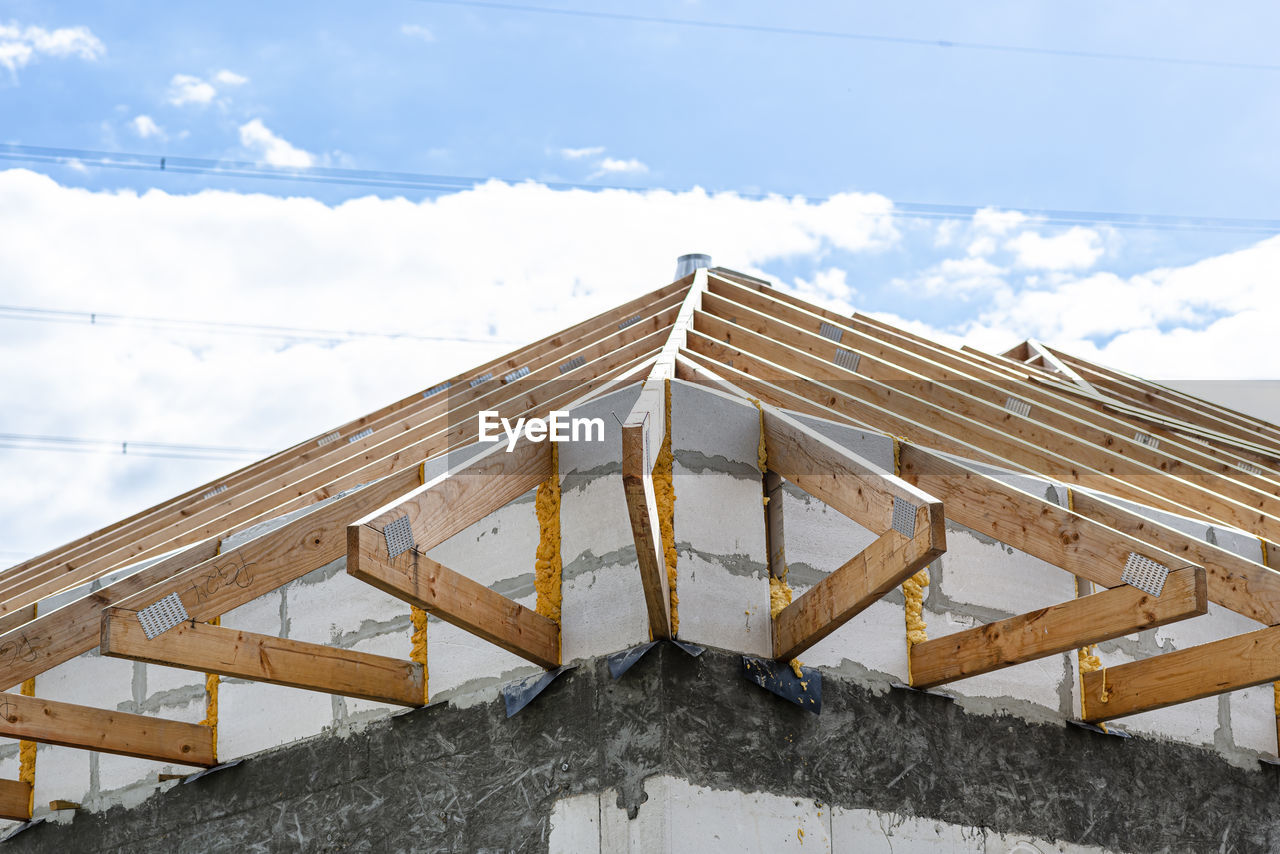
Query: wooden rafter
[[1148, 395], [961, 413], [403, 480], [643, 432], [263, 658], [1056, 398], [436, 511], [441, 425], [550, 348]]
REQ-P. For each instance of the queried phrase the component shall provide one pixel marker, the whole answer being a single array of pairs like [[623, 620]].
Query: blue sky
[[847, 131]]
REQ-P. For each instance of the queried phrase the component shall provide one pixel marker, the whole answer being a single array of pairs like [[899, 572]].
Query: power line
[[852, 36], [435, 184], [50, 315], [167, 450]]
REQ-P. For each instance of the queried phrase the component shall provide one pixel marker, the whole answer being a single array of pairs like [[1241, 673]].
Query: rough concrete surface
[[448, 778]]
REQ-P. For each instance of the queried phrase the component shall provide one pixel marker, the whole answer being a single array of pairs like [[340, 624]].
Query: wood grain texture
[[1056, 629], [1200, 671], [106, 731], [263, 658], [454, 598]]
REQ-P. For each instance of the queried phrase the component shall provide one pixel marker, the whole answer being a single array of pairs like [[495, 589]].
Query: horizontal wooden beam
[[105, 731], [1205, 670], [835, 600], [263, 658], [1059, 628], [454, 598], [15, 800]]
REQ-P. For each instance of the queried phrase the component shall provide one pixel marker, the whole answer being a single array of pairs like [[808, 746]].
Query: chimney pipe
[[686, 264]]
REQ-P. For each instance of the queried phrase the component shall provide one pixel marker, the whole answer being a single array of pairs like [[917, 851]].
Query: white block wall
[[722, 582], [682, 818]]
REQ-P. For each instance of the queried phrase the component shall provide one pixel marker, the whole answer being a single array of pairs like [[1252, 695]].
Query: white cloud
[[20, 45], [614, 166], [1210, 319], [363, 264], [829, 288], [997, 222], [189, 89], [1077, 248], [230, 78], [146, 127], [417, 31], [957, 277], [579, 153], [271, 149]]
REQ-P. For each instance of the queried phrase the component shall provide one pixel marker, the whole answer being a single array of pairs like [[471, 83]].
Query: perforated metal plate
[[1249, 467], [330, 439], [1144, 574], [483, 378], [159, 617], [363, 434], [575, 362], [399, 535], [436, 389], [835, 333], [1018, 406], [629, 321], [222, 487], [904, 517], [1146, 439], [516, 374], [847, 359]]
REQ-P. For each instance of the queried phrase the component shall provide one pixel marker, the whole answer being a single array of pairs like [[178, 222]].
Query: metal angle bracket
[[26, 825], [1144, 574], [522, 692], [621, 662], [206, 772], [778, 678], [399, 536], [904, 517], [158, 617], [1111, 730], [941, 695]]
